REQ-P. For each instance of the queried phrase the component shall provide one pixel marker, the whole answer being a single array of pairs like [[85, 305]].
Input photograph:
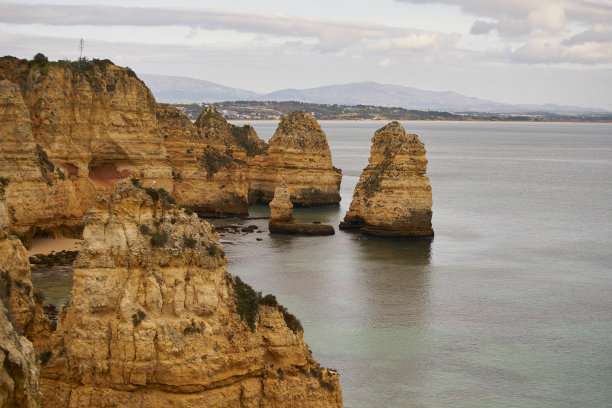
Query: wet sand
[[47, 245]]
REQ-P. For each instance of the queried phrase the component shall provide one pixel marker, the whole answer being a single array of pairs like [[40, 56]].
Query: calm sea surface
[[510, 305]]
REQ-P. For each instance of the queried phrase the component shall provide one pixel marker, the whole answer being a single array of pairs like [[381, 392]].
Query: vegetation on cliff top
[[248, 301]]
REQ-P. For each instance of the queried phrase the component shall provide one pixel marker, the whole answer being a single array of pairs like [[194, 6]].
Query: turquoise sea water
[[510, 305]]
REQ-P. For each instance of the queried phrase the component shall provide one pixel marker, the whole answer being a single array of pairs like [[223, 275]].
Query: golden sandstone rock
[[280, 206], [18, 370], [299, 154], [155, 320], [393, 195], [69, 131]]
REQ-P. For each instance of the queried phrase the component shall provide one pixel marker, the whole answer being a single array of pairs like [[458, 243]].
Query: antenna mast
[[81, 45]]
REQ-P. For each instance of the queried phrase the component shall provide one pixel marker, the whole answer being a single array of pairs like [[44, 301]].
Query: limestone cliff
[[23, 304], [298, 153], [207, 176], [69, 131], [393, 195], [18, 369], [155, 320]]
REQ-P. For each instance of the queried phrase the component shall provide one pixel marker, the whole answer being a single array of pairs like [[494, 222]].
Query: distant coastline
[[256, 111]]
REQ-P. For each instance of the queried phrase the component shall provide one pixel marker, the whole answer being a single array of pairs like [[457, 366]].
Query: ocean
[[509, 305]]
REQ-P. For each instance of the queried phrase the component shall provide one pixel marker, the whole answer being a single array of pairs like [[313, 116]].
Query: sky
[[511, 51]]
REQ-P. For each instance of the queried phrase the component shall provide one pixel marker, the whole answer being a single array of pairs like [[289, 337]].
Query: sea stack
[[393, 195], [280, 206], [155, 320], [281, 216], [298, 153]]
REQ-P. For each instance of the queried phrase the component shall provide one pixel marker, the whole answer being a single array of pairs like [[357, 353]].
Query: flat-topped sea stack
[[298, 153], [155, 320], [281, 216], [393, 195]]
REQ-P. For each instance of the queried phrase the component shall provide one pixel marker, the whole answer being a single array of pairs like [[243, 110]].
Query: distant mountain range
[[173, 89]]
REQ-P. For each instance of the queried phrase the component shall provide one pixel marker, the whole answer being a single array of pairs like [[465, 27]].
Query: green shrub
[[214, 160], [153, 193], [135, 182], [189, 242], [247, 302], [159, 239], [60, 174], [188, 211], [212, 249], [144, 229]]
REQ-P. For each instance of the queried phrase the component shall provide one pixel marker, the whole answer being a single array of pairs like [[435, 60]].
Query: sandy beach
[[47, 245]]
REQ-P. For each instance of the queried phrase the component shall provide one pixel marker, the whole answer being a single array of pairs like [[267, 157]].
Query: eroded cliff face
[[207, 177], [155, 320], [298, 153], [19, 315], [23, 305], [393, 195], [18, 369], [69, 132]]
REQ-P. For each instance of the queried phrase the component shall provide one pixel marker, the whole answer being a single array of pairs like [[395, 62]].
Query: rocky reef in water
[[393, 196], [299, 154], [156, 320], [70, 130]]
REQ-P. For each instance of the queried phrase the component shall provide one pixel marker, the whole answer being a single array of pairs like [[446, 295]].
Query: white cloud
[[385, 63], [329, 35]]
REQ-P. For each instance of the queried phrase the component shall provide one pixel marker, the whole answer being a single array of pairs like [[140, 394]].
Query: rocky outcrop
[[281, 216], [280, 206], [155, 320], [393, 195], [298, 153], [207, 176], [24, 305], [69, 131], [18, 369]]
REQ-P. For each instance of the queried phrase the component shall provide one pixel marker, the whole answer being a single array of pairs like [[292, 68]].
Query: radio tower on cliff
[[81, 45]]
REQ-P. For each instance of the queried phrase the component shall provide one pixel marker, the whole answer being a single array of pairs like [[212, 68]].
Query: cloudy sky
[[514, 51]]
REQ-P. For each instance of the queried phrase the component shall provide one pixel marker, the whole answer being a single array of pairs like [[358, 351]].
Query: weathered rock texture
[[281, 216], [69, 132], [299, 154], [280, 206], [393, 195], [19, 314], [207, 176], [17, 292], [155, 320], [18, 370]]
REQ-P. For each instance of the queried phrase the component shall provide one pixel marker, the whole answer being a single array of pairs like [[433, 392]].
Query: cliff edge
[[155, 320], [393, 196]]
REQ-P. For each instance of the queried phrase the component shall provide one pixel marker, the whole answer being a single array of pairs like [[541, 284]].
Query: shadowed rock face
[[155, 320], [299, 154], [18, 370], [393, 195]]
